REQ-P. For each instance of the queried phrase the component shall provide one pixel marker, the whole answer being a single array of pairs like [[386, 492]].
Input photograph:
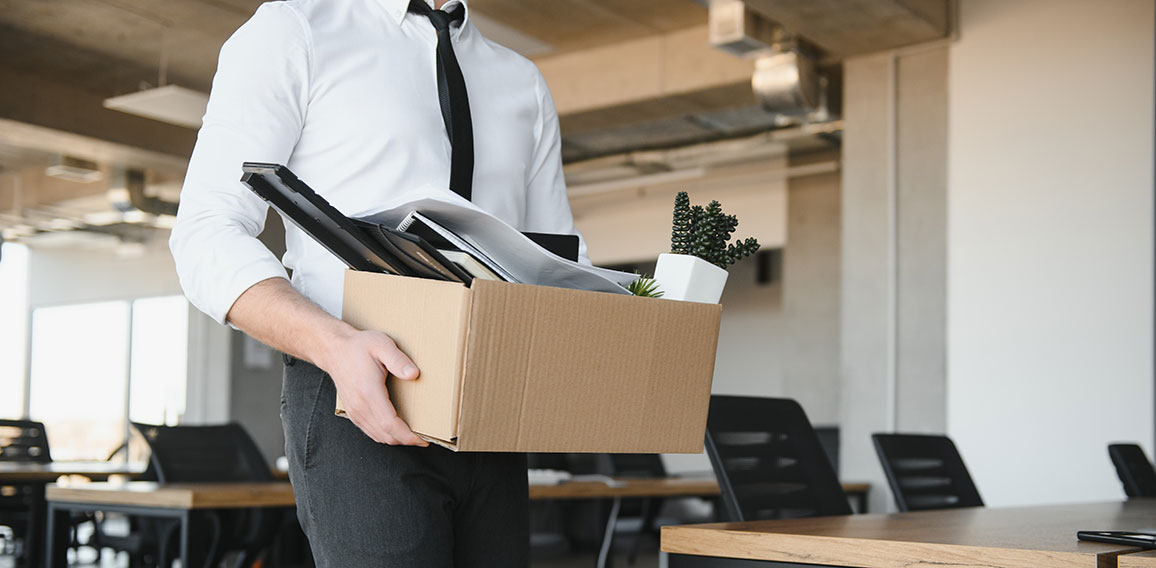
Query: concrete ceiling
[[626, 74], [117, 44]]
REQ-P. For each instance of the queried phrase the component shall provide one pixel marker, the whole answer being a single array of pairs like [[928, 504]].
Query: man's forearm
[[277, 315], [357, 361]]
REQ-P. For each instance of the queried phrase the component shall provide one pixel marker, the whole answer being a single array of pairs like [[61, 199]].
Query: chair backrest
[[190, 454], [23, 441], [925, 472], [637, 465], [829, 438], [769, 462], [1134, 469]]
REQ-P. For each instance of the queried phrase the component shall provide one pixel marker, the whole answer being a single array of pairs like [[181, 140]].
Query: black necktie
[[454, 101]]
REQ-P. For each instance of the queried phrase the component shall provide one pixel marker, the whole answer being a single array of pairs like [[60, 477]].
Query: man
[[346, 93]]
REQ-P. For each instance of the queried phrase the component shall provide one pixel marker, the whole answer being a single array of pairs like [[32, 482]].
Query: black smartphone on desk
[[1139, 539]]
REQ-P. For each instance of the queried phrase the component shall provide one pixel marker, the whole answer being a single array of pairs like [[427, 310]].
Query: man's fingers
[[399, 430], [399, 364], [384, 426]]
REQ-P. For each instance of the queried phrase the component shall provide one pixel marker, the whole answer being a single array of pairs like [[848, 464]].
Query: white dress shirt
[[344, 92]]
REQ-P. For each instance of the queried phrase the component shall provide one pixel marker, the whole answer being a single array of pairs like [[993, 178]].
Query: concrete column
[[894, 295]]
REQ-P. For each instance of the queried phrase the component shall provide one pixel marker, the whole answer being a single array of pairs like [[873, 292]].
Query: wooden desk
[[620, 488], [48, 472], [1140, 559], [1026, 537], [37, 475], [664, 487], [176, 495], [144, 498], [177, 500]]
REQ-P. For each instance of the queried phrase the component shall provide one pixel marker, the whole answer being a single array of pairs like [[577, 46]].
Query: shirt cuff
[[242, 280]]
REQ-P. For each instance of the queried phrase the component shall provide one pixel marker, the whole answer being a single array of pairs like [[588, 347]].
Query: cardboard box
[[513, 367]]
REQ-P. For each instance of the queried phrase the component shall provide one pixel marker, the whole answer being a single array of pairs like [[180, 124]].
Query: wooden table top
[[280, 493], [97, 470], [638, 487], [668, 487], [176, 495], [1139, 560], [1023, 537]]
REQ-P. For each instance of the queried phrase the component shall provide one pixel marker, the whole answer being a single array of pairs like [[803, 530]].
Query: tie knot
[[440, 19]]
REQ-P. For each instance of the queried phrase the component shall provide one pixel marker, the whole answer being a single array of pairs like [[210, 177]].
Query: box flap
[[552, 369], [428, 320]]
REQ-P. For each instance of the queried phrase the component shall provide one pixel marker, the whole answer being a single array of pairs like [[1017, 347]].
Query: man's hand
[[358, 361]]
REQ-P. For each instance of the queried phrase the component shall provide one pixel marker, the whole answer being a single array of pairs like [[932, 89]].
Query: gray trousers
[[364, 504]]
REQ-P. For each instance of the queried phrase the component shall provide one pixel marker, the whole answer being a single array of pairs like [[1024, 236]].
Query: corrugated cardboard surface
[[544, 369], [551, 369], [428, 320]]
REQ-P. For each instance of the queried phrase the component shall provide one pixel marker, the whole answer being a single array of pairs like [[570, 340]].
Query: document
[[513, 252]]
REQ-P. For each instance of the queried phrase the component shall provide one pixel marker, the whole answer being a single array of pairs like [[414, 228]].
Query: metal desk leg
[[193, 543], [34, 536], [56, 537], [608, 536]]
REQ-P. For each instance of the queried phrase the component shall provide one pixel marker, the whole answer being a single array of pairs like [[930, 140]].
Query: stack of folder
[[419, 246]]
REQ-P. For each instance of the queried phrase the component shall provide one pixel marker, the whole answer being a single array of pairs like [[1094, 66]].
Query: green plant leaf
[[646, 287]]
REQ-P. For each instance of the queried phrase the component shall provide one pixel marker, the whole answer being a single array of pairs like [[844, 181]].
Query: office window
[[13, 309], [160, 337], [96, 366], [79, 358]]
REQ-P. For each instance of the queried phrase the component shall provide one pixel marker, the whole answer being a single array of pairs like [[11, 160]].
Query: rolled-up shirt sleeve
[[255, 113], [547, 204]]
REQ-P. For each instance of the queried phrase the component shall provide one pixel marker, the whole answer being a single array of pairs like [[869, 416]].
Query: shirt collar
[[399, 8]]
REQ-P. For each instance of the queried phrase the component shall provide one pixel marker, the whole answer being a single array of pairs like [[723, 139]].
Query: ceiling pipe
[[126, 192]]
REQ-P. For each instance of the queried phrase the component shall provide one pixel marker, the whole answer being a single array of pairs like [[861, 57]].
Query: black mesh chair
[[829, 439], [769, 462], [925, 472], [224, 453], [21, 504], [23, 441], [1134, 469]]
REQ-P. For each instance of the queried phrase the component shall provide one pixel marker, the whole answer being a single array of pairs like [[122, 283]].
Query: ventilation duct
[[74, 169], [126, 193], [787, 83], [736, 29]]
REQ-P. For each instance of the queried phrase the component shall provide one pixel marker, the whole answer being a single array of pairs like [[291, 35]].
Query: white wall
[[76, 275], [779, 338], [1050, 244], [634, 224]]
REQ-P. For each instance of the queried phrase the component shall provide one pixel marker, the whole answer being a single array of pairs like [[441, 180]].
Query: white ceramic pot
[[689, 278]]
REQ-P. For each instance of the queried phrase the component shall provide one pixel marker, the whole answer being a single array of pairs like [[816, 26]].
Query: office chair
[[769, 462], [829, 439], [1135, 471], [224, 453], [22, 441], [925, 472]]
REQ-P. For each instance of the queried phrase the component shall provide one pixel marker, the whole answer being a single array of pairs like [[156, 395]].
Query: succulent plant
[[705, 231]]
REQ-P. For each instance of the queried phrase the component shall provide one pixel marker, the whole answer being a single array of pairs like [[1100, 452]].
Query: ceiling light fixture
[[171, 103], [74, 169], [167, 103]]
